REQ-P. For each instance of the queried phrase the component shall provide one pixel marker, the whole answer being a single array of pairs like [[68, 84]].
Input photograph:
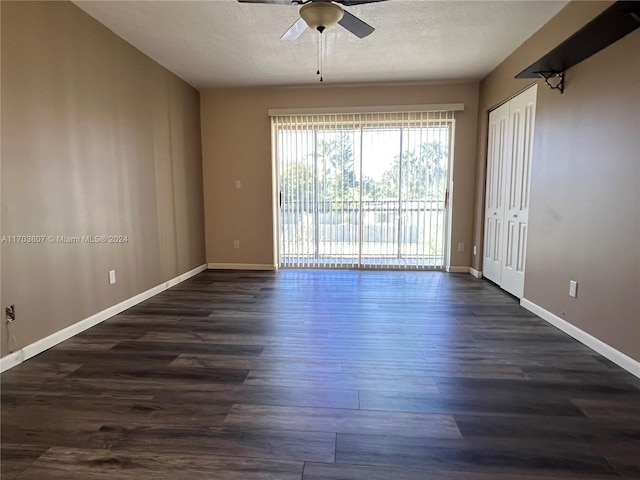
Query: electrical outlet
[[10, 313], [112, 277], [238, 185], [573, 288], [236, 244], [461, 246]]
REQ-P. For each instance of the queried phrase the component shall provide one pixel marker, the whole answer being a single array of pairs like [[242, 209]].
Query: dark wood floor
[[322, 375]]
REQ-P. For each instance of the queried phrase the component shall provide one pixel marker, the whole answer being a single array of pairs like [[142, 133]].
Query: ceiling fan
[[322, 14]]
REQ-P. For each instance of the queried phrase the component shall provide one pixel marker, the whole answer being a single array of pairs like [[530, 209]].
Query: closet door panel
[[516, 205], [494, 206]]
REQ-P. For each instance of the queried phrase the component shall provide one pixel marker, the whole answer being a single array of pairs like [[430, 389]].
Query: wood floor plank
[[482, 456], [522, 389], [119, 387], [167, 310], [266, 395], [113, 358], [293, 338], [431, 370], [343, 352], [252, 363], [40, 370], [363, 381], [620, 406], [224, 441], [80, 464], [44, 411], [186, 347], [468, 403], [343, 421], [339, 471], [298, 397], [87, 343], [575, 430], [167, 374]]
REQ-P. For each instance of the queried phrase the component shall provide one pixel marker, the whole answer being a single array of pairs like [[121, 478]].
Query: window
[[362, 190]]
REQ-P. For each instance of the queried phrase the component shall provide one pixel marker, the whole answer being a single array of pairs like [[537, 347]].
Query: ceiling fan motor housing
[[320, 15]]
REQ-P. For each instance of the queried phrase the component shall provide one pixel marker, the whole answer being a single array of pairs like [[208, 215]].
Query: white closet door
[[516, 194], [494, 205]]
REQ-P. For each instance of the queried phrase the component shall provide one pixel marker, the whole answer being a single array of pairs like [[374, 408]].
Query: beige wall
[[584, 221], [97, 139], [236, 142]]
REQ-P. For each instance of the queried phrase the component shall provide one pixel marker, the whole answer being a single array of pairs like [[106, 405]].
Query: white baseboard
[[240, 266], [590, 341], [475, 273], [40, 346], [454, 269]]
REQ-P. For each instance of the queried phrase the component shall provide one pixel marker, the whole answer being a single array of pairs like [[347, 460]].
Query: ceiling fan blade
[[356, 26], [274, 2], [295, 31], [350, 3]]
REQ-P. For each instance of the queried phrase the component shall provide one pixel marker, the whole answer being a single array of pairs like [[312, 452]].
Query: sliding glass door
[[362, 191]]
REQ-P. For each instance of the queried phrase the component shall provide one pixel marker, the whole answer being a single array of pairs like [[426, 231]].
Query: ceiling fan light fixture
[[320, 15]]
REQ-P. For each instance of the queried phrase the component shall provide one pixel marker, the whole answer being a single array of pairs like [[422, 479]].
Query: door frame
[[448, 209]]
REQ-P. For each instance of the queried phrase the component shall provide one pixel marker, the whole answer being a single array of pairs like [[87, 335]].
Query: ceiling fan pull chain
[[321, 55]]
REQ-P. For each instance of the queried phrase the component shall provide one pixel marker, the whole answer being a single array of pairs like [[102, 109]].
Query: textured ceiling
[[225, 43]]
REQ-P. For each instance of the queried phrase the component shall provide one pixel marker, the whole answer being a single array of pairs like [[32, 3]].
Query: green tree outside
[[424, 174]]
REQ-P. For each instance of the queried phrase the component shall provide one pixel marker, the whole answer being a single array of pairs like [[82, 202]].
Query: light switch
[[573, 288], [238, 185]]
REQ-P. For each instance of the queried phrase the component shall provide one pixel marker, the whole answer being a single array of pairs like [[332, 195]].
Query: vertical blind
[[362, 190]]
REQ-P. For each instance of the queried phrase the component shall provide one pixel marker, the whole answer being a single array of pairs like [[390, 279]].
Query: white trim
[[240, 266], [275, 192], [449, 194], [52, 340], [475, 273], [455, 269], [437, 107], [616, 356]]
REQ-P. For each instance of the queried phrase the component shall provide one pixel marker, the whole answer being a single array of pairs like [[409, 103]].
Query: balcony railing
[[371, 232]]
